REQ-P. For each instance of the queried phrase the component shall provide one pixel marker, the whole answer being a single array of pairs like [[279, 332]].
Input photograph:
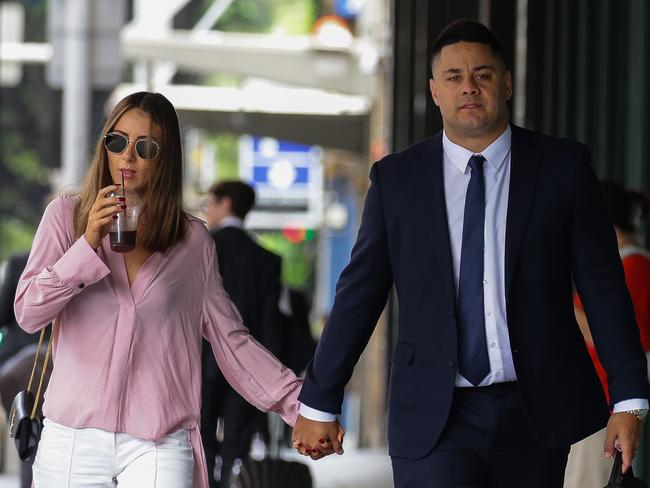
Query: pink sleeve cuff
[[80, 266]]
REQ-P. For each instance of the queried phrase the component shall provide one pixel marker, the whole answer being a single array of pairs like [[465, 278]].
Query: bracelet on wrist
[[639, 413]]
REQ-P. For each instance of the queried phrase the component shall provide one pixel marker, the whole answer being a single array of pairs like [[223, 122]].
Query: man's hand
[[317, 439], [624, 432]]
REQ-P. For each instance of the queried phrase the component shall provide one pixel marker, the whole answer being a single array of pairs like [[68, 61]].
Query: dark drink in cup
[[122, 231], [122, 240]]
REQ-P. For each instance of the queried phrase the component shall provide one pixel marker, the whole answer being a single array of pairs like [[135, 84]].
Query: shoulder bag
[[25, 420]]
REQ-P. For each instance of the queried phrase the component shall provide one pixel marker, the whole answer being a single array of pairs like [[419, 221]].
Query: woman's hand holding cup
[[101, 215]]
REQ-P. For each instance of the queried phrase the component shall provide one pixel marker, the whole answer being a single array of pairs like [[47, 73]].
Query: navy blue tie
[[474, 361]]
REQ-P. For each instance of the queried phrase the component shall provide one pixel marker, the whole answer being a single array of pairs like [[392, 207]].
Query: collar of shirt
[[495, 154], [232, 222], [633, 250]]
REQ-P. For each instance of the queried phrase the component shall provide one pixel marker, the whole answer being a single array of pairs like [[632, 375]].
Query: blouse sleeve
[[249, 368], [58, 268]]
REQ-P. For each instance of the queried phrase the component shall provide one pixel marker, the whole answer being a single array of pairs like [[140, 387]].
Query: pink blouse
[[128, 358]]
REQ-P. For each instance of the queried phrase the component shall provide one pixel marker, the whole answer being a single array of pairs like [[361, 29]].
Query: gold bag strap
[[48, 352]]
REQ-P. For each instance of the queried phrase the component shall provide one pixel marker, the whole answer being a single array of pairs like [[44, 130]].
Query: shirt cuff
[[318, 415], [80, 266], [633, 404]]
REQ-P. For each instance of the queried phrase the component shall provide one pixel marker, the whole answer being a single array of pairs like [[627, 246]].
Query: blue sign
[[282, 172], [348, 9]]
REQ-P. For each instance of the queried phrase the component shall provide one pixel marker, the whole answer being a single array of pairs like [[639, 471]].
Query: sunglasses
[[145, 148]]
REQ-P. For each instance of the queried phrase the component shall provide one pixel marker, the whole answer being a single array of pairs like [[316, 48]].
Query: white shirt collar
[[231, 222], [495, 154], [632, 250]]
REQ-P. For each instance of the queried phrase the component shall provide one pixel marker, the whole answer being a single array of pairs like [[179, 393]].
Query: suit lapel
[[435, 205], [525, 162]]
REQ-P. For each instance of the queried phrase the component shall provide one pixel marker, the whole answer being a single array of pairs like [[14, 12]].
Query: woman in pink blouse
[[122, 405]]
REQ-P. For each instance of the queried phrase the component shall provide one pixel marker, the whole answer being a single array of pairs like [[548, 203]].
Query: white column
[[484, 12], [76, 91], [521, 60]]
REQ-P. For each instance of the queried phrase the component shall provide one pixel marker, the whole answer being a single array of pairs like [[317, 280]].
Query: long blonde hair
[[162, 211]]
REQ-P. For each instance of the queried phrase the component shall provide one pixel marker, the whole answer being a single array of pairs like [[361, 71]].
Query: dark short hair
[[241, 195], [468, 30], [626, 208]]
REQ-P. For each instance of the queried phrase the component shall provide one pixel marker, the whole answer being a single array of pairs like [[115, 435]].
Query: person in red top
[[586, 467]]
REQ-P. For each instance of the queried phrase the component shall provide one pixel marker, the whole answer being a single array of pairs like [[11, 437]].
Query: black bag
[[273, 473], [619, 480], [25, 423]]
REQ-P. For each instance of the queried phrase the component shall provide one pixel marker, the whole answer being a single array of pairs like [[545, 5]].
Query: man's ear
[[508, 79], [434, 91], [227, 203]]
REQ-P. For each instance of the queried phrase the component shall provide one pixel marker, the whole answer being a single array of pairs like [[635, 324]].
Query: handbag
[[25, 422], [619, 480]]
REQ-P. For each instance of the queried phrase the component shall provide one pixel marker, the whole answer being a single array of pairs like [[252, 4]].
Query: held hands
[[317, 439], [101, 215], [624, 433]]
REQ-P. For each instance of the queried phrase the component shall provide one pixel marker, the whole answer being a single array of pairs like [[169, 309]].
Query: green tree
[[30, 141], [29, 115], [292, 16], [247, 16]]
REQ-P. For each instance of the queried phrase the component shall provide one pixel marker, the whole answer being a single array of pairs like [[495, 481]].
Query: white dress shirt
[[231, 221], [496, 171]]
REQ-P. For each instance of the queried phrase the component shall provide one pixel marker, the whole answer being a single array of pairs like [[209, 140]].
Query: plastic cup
[[123, 230]]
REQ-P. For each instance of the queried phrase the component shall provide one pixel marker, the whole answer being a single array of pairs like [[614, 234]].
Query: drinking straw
[[124, 195]]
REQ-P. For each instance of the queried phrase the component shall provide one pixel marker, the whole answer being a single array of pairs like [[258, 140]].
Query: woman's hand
[[317, 439], [101, 215]]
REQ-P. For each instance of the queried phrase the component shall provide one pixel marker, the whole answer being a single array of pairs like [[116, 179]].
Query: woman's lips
[[128, 173]]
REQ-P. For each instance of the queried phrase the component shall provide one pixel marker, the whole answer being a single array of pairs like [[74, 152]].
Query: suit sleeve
[[361, 294], [600, 281]]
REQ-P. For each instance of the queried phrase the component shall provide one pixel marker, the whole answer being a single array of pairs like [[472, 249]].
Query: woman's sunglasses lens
[[115, 143], [146, 149]]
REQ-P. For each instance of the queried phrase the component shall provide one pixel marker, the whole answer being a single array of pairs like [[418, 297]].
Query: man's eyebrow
[[476, 68], [484, 66]]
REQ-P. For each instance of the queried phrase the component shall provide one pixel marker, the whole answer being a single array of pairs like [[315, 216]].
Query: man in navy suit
[[482, 229]]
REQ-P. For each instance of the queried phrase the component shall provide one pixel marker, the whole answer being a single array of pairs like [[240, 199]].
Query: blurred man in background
[[13, 337], [17, 348]]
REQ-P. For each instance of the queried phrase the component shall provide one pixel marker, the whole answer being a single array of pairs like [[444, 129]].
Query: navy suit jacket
[[556, 230]]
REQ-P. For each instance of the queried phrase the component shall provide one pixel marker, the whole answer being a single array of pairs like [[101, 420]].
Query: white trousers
[[95, 458]]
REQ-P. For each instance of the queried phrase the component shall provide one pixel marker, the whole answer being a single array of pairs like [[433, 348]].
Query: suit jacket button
[[452, 363], [81, 285]]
